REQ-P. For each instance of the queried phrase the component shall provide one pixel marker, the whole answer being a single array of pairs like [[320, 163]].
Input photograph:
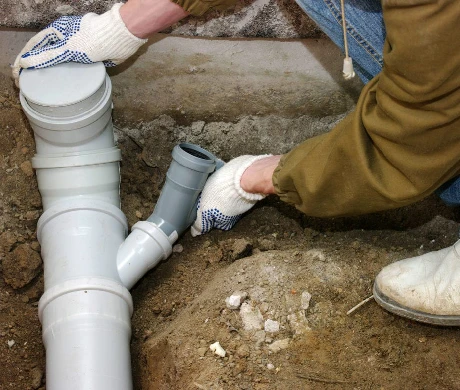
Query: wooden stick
[[199, 386], [318, 379], [359, 305]]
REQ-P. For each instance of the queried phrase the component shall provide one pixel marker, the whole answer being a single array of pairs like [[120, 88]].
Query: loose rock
[[241, 248], [298, 322], [21, 266], [178, 248], [36, 376], [251, 317], [243, 351], [305, 300], [235, 300], [217, 349], [26, 167], [278, 345], [259, 338], [271, 326]]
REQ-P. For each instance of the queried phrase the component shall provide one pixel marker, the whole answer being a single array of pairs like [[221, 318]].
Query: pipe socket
[[86, 326], [69, 109]]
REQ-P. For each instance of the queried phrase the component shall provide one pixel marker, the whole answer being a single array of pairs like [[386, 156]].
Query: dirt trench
[[300, 276]]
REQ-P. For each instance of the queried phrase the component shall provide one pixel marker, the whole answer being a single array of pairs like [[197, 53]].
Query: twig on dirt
[[319, 379], [199, 386], [231, 328], [359, 305]]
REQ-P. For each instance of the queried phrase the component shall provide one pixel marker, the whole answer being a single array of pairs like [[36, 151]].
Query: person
[[400, 144]]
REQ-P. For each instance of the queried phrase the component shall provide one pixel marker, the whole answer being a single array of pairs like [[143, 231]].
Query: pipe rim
[[73, 122], [189, 160]]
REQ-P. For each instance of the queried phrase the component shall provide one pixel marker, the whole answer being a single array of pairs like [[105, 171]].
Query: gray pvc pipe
[[151, 241], [176, 207]]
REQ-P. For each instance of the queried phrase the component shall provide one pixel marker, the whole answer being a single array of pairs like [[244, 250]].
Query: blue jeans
[[366, 36]]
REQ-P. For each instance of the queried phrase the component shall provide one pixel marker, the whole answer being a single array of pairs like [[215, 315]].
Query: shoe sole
[[403, 311]]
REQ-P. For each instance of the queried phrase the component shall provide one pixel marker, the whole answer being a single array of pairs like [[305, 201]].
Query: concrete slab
[[223, 79]]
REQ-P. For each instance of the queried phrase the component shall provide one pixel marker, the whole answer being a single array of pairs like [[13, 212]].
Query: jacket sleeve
[[403, 139], [199, 7]]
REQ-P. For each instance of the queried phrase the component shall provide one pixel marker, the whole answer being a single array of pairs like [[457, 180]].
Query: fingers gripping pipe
[[89, 266]]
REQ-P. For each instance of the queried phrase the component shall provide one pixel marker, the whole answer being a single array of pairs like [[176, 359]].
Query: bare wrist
[[146, 17], [257, 178]]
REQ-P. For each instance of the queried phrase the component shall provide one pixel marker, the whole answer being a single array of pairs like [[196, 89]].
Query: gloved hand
[[223, 201], [86, 39]]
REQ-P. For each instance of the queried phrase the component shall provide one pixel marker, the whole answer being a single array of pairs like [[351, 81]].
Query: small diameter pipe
[[151, 241]]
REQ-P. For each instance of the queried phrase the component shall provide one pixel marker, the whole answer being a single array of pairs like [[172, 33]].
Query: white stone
[[271, 326], [217, 349], [235, 300], [11, 343], [305, 300], [270, 366], [251, 317]]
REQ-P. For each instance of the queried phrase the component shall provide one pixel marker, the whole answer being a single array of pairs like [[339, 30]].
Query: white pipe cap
[[52, 90]]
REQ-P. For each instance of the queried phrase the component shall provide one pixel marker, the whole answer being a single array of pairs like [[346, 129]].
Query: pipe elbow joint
[[142, 250]]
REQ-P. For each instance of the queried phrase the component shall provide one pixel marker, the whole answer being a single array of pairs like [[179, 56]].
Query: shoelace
[[348, 71]]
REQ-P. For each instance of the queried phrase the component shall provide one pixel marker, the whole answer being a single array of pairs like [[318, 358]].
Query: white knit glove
[[223, 201], [86, 39]]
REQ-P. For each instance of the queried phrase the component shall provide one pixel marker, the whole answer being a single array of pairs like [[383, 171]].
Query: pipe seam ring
[[101, 156], [66, 206], [156, 234], [84, 284]]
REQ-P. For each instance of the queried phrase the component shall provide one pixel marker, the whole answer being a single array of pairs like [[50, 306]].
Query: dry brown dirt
[[274, 254]]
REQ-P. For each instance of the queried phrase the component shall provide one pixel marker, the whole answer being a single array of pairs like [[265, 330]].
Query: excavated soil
[[277, 256]]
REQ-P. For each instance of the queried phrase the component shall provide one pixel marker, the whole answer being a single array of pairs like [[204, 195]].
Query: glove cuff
[[249, 160], [113, 31]]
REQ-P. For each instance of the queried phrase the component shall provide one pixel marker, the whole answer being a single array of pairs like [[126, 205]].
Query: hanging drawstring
[[348, 72]]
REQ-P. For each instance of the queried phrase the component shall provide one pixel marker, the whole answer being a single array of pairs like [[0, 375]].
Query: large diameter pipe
[[85, 310], [89, 266]]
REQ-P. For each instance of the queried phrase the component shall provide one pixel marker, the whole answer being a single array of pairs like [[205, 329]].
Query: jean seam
[[374, 54]]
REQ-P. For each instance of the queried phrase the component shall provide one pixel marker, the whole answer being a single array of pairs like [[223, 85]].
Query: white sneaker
[[424, 288]]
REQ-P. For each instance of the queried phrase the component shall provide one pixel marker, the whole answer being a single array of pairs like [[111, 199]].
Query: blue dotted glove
[[86, 39], [223, 201]]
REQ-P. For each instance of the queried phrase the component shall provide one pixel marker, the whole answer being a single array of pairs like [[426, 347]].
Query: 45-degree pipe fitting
[[89, 267]]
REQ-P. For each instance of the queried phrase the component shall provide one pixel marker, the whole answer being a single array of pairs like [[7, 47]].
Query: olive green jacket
[[403, 139]]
